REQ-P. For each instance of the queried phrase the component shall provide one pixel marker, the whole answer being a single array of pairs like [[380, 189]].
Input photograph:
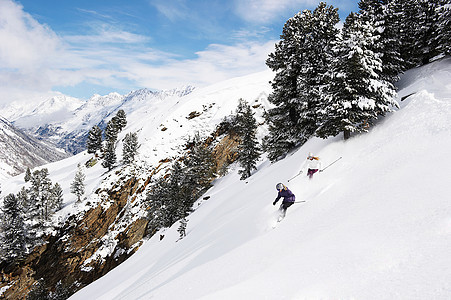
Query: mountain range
[[61, 124], [19, 151]]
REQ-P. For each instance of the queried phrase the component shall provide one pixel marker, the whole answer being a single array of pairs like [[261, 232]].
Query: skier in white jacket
[[313, 164]]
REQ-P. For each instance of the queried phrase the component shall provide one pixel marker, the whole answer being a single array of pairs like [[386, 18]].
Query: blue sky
[[83, 47]]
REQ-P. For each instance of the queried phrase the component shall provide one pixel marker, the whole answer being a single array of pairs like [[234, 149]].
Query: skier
[[288, 199], [313, 163]]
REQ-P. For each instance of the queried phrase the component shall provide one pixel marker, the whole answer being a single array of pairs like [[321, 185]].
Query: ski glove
[[274, 203]]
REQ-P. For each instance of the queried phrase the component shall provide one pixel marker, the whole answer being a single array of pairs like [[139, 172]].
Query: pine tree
[[111, 131], [357, 93], [109, 159], [40, 194], [443, 33], [13, 230], [249, 151], [301, 61], [420, 29], [77, 186], [56, 197], [43, 198], [25, 202], [158, 199], [428, 42], [385, 16], [130, 148], [182, 227], [27, 175], [94, 141], [200, 167], [121, 119]]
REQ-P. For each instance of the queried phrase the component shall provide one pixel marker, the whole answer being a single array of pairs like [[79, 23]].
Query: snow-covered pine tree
[[170, 198], [130, 148], [111, 131], [12, 229], [27, 208], [249, 150], [199, 167], [428, 31], [408, 11], [184, 193], [121, 119], [24, 201], [301, 61], [56, 197], [357, 92], [420, 26], [109, 158], [182, 227], [77, 186], [94, 141], [385, 18], [158, 211], [40, 195], [27, 175], [443, 34]]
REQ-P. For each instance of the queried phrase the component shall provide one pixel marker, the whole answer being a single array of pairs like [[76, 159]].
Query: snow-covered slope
[[19, 151], [65, 121], [376, 225], [163, 123]]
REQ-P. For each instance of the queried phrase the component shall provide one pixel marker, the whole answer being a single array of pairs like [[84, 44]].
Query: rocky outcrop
[[91, 244], [70, 257]]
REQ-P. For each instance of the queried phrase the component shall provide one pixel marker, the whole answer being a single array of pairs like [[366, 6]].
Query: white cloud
[[216, 63], [24, 42], [173, 10], [34, 59], [264, 11], [27, 48], [104, 33]]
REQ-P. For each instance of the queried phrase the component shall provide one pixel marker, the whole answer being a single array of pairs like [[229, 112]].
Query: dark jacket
[[287, 195]]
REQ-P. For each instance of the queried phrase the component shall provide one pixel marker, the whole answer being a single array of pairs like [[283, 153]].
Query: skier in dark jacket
[[288, 198]]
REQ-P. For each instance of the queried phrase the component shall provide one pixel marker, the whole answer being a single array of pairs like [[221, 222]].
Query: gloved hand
[[321, 170], [274, 203]]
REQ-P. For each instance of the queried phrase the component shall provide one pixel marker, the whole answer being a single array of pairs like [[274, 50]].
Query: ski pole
[[295, 176], [332, 163], [299, 201]]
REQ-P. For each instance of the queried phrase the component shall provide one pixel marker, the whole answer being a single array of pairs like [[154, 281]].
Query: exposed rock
[[70, 255], [73, 258]]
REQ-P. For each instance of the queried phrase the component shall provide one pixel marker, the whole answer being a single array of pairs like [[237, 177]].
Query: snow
[[376, 224]]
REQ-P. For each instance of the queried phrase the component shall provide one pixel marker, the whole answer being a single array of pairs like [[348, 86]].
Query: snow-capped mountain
[[65, 121], [18, 151]]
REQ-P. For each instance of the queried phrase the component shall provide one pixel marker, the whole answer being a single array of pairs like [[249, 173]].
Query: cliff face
[[90, 244], [71, 256]]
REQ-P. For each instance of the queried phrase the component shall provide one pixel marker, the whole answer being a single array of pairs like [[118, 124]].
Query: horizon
[[82, 48]]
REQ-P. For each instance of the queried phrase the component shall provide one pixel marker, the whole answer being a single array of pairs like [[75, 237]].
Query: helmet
[[279, 186], [310, 154]]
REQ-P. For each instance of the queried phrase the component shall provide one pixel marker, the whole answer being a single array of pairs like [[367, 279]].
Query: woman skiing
[[313, 164], [288, 199]]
